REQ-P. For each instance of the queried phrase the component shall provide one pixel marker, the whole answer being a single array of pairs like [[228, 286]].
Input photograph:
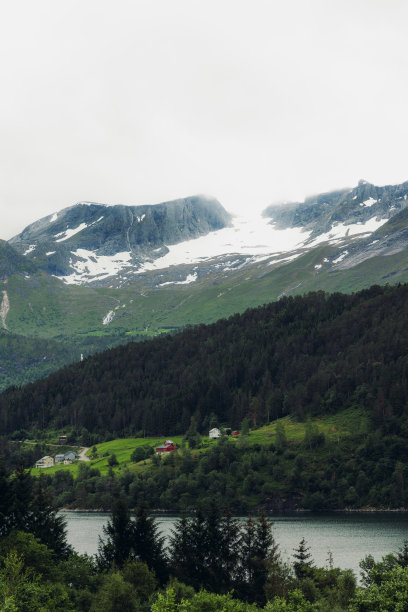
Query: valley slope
[[95, 275]]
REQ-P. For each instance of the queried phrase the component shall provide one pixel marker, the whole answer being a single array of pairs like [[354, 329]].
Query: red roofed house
[[167, 447]]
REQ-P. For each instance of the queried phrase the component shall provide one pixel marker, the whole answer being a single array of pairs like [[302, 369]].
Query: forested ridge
[[301, 356]]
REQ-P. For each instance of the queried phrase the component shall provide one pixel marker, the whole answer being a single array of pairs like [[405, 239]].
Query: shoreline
[[269, 514]]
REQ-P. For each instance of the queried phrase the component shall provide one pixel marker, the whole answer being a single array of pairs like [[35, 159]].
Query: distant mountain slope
[[24, 359], [73, 276], [90, 243], [11, 262], [313, 354], [337, 213]]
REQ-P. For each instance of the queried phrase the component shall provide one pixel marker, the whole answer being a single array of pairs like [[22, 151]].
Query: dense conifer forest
[[299, 356]]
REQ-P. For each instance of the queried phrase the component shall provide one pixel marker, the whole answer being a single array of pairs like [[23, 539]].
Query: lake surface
[[349, 536]]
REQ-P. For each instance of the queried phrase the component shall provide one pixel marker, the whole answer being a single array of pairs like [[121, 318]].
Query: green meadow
[[122, 448], [334, 427]]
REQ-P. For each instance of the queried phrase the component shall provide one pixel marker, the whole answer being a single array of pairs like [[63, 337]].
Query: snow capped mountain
[[180, 242], [348, 219], [365, 205], [89, 243]]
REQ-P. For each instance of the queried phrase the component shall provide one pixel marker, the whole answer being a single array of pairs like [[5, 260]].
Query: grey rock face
[[113, 246], [390, 238], [58, 241], [349, 206]]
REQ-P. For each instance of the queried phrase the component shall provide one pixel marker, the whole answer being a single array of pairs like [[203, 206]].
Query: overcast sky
[[252, 101]]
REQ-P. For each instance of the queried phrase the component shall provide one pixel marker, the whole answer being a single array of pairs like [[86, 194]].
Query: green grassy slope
[[334, 427], [44, 307]]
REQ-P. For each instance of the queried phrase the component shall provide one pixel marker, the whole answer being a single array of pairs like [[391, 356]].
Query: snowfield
[[255, 238]]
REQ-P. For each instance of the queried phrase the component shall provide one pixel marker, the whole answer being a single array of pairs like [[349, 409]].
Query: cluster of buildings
[[167, 447], [215, 433], [49, 461]]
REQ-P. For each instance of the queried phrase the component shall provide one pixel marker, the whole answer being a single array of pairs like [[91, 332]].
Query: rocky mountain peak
[[95, 241]]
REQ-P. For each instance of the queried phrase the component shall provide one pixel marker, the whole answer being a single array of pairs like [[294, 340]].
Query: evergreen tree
[[258, 551], [229, 550], [245, 427], [117, 546], [192, 436], [45, 523], [5, 494], [197, 541], [281, 441], [402, 555], [21, 493], [303, 563], [213, 569], [148, 545], [180, 548], [265, 554], [247, 551]]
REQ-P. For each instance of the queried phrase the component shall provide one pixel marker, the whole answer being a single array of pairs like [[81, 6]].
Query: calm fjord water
[[349, 536]]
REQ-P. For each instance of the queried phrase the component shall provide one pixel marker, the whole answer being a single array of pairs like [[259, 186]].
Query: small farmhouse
[[45, 462], [214, 433], [68, 457], [167, 447]]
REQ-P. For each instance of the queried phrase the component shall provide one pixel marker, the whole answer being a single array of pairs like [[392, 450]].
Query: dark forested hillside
[[24, 359], [302, 355]]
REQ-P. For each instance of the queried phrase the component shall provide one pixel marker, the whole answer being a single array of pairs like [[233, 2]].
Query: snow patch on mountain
[[87, 265], [30, 249], [340, 257], [190, 279], [285, 259], [369, 202], [340, 230], [253, 237], [70, 232]]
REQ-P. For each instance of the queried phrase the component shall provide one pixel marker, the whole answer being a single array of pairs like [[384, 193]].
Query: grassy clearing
[[334, 427], [122, 448]]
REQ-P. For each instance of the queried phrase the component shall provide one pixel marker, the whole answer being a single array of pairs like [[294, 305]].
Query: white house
[[45, 462], [214, 433]]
